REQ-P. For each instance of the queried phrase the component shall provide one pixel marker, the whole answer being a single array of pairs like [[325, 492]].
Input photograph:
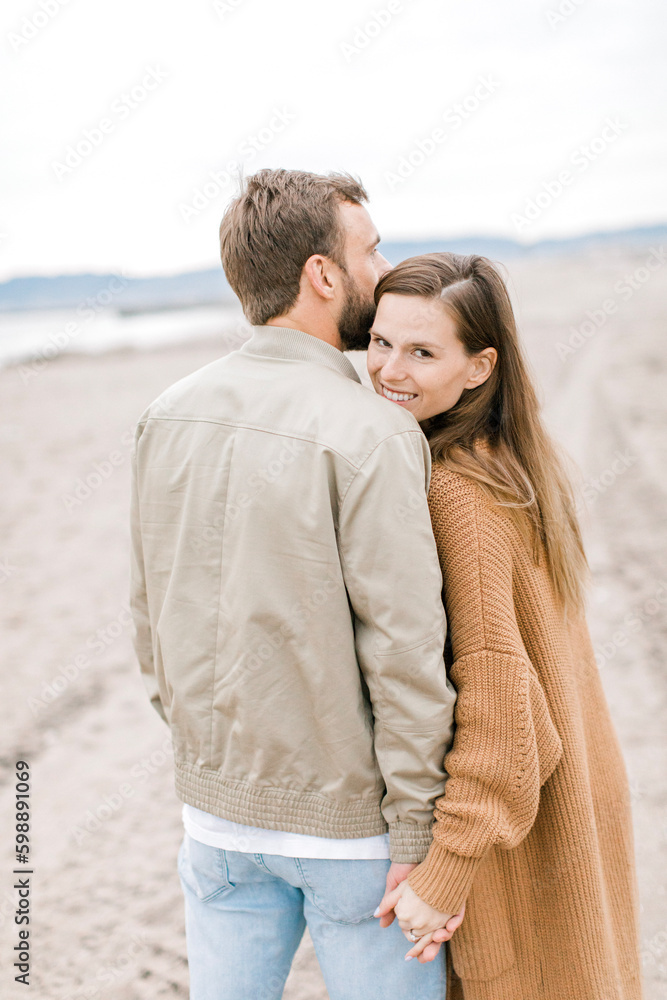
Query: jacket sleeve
[[391, 571], [505, 744], [143, 639]]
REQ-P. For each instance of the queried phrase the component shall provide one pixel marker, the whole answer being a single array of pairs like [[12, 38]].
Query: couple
[[342, 767]]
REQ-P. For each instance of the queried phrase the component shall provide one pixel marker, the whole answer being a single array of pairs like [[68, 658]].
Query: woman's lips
[[397, 397]]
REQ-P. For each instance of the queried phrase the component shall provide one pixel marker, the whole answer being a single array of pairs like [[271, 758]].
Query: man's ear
[[319, 272]]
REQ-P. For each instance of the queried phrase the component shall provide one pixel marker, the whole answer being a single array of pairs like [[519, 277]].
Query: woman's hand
[[414, 915], [417, 918], [426, 949]]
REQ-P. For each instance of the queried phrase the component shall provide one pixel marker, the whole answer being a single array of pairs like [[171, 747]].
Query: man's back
[[274, 493]]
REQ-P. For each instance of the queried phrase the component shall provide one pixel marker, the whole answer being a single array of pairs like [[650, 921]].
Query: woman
[[533, 832]]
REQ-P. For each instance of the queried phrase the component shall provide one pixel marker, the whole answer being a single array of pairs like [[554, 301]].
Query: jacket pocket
[[482, 947]]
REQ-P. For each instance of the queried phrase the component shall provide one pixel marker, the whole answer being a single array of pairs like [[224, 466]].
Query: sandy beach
[[106, 919]]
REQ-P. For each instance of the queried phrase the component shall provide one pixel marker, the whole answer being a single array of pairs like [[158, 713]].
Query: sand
[[106, 906]]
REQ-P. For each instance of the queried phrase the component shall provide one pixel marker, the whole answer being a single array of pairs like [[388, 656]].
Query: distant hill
[[209, 287], [501, 249], [126, 295]]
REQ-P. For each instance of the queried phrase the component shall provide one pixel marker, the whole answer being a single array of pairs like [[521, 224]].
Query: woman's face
[[416, 360]]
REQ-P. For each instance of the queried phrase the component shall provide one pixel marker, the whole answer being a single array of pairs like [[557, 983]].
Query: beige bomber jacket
[[286, 594]]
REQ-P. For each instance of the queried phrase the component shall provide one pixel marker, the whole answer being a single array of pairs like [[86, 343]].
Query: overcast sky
[[522, 118]]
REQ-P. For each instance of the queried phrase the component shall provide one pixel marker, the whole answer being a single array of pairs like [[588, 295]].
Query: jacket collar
[[295, 345]]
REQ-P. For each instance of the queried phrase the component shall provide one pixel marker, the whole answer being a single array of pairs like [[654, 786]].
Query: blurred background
[[532, 132]]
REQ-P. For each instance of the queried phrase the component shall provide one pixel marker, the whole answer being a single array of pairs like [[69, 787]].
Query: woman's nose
[[393, 369]]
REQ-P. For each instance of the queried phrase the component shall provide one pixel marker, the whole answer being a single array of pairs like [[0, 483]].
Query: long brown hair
[[494, 434]]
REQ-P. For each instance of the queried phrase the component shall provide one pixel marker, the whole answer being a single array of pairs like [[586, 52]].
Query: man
[[290, 628]]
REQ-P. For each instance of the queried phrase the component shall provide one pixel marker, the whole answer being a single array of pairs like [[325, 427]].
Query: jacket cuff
[[444, 879], [409, 842]]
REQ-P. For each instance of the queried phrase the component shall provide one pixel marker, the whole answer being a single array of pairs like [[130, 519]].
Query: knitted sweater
[[534, 828]]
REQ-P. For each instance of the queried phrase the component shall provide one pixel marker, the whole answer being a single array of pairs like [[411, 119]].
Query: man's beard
[[356, 319]]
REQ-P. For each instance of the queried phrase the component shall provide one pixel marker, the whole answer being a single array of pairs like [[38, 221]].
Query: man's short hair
[[279, 220]]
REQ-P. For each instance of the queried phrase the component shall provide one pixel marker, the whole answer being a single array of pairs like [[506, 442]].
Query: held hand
[[409, 906], [427, 948], [397, 873], [415, 916], [413, 913]]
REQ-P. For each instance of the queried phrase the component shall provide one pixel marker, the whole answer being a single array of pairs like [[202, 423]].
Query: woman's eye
[[422, 352], [380, 342]]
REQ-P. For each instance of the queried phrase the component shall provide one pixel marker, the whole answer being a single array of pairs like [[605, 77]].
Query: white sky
[[227, 70]]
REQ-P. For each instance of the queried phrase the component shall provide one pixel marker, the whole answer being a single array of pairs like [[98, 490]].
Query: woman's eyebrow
[[417, 343], [424, 343]]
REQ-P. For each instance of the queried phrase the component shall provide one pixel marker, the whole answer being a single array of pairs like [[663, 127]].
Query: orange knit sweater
[[534, 828]]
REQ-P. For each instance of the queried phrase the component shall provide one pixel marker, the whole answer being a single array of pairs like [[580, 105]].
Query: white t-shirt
[[217, 832]]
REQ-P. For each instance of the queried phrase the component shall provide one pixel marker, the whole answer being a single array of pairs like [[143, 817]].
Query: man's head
[[301, 248]]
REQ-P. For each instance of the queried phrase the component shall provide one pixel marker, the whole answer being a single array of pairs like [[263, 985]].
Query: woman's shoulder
[[448, 486], [442, 475], [455, 499]]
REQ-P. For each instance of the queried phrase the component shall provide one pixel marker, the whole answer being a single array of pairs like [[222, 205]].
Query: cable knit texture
[[534, 828]]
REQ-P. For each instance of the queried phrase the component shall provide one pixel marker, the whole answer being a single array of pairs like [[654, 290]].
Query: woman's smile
[[395, 395]]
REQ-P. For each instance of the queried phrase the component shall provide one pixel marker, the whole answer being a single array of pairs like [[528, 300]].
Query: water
[[42, 335]]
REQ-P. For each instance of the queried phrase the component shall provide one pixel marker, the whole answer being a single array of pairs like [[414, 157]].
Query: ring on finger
[[412, 936]]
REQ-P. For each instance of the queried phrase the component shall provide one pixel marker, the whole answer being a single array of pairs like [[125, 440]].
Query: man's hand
[[397, 873]]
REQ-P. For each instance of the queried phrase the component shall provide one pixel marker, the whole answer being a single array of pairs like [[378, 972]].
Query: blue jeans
[[246, 913]]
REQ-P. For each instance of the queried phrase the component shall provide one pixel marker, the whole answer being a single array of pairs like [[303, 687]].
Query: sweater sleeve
[[505, 744]]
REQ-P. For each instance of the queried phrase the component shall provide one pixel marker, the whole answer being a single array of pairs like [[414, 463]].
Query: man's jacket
[[286, 594]]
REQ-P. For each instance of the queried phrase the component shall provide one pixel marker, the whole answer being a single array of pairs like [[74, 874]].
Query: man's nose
[[383, 265]]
